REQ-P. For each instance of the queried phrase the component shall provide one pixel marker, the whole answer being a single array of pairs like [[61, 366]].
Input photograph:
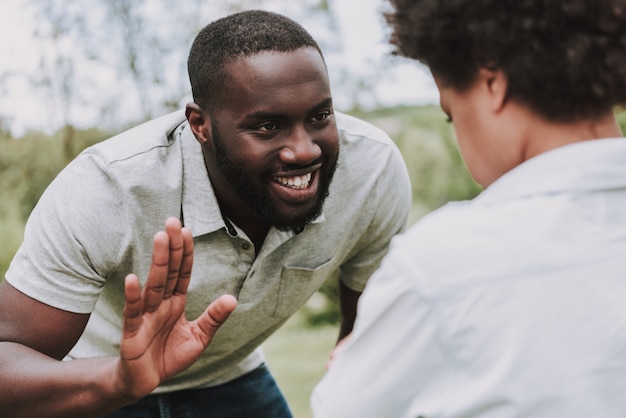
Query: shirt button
[[245, 246]]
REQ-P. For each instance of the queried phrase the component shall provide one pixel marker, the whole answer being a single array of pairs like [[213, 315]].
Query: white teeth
[[295, 182]]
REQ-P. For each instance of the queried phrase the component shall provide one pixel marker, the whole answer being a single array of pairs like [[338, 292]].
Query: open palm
[[158, 341]]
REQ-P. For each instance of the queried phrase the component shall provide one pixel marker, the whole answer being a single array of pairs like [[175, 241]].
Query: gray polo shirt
[[95, 224]]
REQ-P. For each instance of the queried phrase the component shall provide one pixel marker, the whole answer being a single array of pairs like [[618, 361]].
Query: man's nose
[[300, 148]]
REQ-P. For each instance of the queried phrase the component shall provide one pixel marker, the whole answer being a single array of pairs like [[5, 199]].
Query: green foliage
[[621, 118], [296, 355], [323, 308]]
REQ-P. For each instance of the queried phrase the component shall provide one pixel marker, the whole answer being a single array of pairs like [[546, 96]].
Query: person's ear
[[496, 86], [200, 124]]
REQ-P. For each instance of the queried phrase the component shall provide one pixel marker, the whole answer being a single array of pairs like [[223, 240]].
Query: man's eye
[[321, 116], [269, 126]]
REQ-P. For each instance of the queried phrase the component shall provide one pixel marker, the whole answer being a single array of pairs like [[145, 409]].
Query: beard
[[252, 191]]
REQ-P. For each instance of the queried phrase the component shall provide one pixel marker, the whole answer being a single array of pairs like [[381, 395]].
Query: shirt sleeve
[[394, 353], [71, 238], [392, 199]]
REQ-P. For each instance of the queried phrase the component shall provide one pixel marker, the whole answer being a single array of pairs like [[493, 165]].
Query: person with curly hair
[[511, 304]]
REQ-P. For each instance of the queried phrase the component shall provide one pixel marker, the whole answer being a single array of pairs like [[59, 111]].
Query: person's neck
[[545, 136], [246, 219], [234, 208], [254, 228]]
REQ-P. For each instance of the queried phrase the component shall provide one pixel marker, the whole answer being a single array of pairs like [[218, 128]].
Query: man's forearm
[[34, 385], [348, 301]]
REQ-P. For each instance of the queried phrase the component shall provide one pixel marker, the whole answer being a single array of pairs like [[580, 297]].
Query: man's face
[[274, 138]]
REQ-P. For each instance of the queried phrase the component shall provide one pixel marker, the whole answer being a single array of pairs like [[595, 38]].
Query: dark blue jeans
[[254, 395]]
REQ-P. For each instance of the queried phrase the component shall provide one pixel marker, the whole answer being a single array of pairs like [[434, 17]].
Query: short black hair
[[564, 59], [239, 35]]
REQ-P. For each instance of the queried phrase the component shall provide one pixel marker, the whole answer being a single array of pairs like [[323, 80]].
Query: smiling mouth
[[294, 182]]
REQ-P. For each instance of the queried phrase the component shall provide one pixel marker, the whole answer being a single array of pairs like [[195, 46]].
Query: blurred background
[[75, 73], [110, 63]]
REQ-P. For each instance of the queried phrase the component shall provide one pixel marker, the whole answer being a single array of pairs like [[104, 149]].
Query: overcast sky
[[362, 36]]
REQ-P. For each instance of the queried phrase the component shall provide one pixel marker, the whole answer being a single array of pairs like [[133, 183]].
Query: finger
[[339, 348], [173, 229], [215, 315], [187, 262], [157, 277], [132, 305]]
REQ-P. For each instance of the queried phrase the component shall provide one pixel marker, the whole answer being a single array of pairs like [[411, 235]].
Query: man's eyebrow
[[326, 103], [264, 115]]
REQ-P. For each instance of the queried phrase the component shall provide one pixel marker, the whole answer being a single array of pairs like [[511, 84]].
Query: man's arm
[[348, 301], [389, 202], [157, 342]]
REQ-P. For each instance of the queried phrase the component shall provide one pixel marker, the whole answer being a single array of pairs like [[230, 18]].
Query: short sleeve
[[391, 198], [71, 238]]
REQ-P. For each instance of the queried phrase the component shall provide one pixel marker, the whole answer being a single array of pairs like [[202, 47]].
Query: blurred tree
[[125, 60], [56, 72], [5, 132], [127, 16]]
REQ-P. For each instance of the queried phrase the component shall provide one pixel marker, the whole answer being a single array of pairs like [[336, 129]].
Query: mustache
[[290, 167]]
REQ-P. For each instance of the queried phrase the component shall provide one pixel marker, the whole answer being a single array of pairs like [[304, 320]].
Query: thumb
[[214, 316]]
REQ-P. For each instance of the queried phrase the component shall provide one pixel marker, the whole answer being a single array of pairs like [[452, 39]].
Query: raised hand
[[157, 341]]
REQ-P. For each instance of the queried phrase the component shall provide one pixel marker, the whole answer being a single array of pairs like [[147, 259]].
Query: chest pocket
[[297, 284]]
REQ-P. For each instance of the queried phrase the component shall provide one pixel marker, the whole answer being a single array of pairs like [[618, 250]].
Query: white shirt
[[510, 305]]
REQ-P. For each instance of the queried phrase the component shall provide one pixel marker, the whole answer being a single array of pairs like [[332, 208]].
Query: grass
[[296, 355]]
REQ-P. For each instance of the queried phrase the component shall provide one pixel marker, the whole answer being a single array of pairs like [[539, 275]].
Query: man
[[247, 170], [512, 304]]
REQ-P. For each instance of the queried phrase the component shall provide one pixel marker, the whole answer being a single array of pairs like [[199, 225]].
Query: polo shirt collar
[[201, 212], [598, 164]]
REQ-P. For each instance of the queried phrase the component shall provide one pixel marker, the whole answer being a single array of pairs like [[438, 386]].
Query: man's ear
[[200, 123], [496, 85]]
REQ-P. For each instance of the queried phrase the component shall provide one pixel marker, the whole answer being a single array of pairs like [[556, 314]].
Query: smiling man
[[263, 113], [263, 188]]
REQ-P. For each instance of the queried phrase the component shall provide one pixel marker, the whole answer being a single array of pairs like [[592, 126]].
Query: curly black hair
[[565, 59], [238, 35]]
